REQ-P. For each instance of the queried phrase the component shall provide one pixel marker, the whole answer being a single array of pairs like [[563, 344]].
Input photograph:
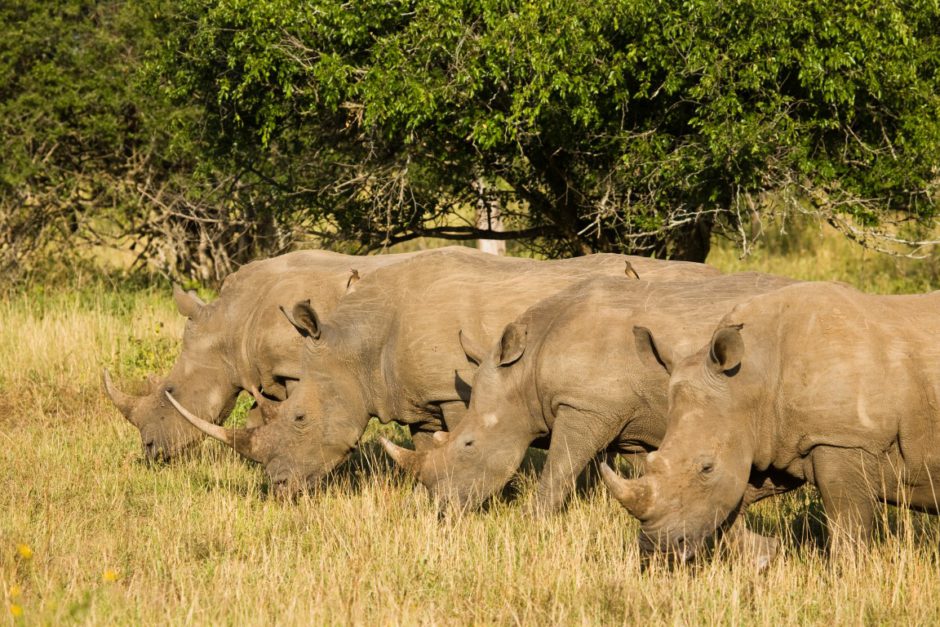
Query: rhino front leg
[[845, 479], [453, 412], [571, 451], [422, 434]]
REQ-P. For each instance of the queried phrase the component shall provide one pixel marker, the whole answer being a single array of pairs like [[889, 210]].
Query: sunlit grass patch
[[112, 539]]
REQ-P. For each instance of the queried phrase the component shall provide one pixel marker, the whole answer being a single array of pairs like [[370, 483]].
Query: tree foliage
[[631, 125], [203, 133], [91, 153]]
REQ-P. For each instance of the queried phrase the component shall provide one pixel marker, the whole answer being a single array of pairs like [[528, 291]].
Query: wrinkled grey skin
[[569, 368], [238, 342], [814, 383], [391, 350]]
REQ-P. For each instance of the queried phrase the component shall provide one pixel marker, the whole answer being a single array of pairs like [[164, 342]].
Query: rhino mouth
[[682, 547], [676, 550]]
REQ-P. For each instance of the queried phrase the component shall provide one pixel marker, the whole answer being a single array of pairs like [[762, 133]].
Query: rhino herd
[[725, 389]]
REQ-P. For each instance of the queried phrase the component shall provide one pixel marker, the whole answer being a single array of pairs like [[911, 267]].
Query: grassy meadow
[[91, 534]]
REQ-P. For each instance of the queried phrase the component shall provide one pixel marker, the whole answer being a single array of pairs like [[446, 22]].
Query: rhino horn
[[634, 494], [239, 439], [406, 458], [266, 406], [124, 402]]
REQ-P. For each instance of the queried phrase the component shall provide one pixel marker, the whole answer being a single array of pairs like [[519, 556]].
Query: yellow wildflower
[[25, 552], [15, 591], [110, 575], [16, 610]]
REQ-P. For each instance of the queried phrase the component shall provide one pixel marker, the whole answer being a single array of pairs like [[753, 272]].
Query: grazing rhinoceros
[[568, 369], [239, 342], [391, 350], [814, 383]]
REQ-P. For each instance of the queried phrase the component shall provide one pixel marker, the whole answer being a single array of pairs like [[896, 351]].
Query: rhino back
[[256, 339], [844, 368], [407, 317], [583, 348]]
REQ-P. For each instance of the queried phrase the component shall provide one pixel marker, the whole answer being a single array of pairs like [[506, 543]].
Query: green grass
[[116, 541]]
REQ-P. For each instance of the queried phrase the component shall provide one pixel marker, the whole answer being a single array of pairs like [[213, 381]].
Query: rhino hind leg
[[846, 480]]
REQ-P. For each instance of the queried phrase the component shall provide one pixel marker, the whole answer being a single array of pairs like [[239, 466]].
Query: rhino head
[[694, 484], [200, 378], [311, 432], [469, 464]]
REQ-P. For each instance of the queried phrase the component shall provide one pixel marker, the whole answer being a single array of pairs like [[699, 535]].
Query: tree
[[90, 154], [633, 126]]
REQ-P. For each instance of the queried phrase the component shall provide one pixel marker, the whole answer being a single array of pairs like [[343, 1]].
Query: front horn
[[238, 439], [124, 402], [634, 494]]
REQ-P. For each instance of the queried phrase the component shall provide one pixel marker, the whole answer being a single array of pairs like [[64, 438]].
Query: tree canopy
[[209, 131], [631, 125]]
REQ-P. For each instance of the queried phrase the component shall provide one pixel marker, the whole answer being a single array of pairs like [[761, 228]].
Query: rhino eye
[[468, 443], [299, 418], [707, 467]]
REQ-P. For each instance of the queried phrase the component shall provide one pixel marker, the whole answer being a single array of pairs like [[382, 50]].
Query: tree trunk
[[489, 218]]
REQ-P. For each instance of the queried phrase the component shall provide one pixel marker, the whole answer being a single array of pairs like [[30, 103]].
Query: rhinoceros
[[391, 350], [813, 383], [568, 368], [239, 342]]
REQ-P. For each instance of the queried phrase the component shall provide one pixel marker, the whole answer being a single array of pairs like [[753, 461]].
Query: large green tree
[[635, 125]]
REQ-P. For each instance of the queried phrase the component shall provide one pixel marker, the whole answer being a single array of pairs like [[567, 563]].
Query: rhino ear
[[649, 353], [304, 319], [470, 348], [188, 303], [726, 350], [512, 344]]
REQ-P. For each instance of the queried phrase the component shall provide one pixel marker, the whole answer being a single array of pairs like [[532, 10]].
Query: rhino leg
[[423, 440], [752, 547], [453, 412], [572, 448], [422, 433], [845, 478]]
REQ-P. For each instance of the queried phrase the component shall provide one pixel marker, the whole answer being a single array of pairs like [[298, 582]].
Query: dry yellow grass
[[90, 534]]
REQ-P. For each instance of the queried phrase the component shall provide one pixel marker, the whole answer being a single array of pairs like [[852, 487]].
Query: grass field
[[91, 534]]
